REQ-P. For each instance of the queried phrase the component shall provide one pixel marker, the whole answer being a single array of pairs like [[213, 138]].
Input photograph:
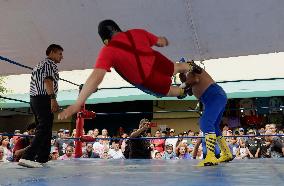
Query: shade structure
[[197, 30]]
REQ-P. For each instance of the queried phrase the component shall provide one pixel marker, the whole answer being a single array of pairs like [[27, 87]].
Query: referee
[[43, 90]]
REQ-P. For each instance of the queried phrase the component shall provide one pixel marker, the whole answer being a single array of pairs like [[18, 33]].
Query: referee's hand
[[54, 106]]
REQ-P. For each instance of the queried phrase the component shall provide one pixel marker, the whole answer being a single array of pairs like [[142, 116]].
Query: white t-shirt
[[116, 154]]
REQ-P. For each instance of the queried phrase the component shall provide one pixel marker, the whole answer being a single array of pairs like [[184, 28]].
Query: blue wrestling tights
[[214, 100]]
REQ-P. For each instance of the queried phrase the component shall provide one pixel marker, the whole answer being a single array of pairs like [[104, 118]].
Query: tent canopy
[[198, 30]]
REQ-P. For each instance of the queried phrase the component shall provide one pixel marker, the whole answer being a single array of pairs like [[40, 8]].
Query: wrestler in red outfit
[[130, 53], [137, 62]]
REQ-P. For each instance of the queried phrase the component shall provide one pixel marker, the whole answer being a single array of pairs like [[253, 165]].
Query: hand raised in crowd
[[144, 124]]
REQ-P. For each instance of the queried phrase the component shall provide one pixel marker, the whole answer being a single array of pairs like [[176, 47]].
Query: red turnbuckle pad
[[86, 114]]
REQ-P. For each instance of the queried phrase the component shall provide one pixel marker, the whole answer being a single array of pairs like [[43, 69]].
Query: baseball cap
[[241, 129], [17, 131], [172, 130], [251, 131], [66, 131]]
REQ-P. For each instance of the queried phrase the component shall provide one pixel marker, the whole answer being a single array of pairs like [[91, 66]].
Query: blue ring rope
[[30, 68], [148, 138]]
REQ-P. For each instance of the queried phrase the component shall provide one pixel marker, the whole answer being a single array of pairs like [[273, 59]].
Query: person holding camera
[[139, 148]]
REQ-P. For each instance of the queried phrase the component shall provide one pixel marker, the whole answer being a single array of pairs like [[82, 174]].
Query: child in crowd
[[242, 152], [169, 153]]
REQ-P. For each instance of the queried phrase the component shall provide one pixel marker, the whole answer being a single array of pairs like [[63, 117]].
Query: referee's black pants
[[39, 149]]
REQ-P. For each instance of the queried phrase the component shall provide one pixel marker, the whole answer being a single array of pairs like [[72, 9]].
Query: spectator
[[89, 152], [253, 145], [2, 156], [182, 152], [105, 133], [272, 127], [264, 146], [169, 153], [159, 143], [179, 139], [60, 133], [23, 143], [105, 155], [164, 134], [276, 147], [153, 151], [233, 146], [96, 133], [267, 126], [73, 133], [116, 152], [99, 146], [54, 155], [225, 130], [90, 133], [242, 152], [14, 139], [140, 149], [172, 140], [241, 139], [280, 132], [63, 142], [69, 153], [5, 144], [122, 142], [158, 155]]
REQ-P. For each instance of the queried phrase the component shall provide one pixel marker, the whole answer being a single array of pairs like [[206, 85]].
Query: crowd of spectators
[[243, 143]]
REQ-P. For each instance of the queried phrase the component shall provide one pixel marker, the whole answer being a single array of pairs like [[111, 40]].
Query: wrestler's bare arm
[[89, 87]]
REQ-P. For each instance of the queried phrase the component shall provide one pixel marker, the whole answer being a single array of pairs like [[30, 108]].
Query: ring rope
[[24, 66], [87, 138]]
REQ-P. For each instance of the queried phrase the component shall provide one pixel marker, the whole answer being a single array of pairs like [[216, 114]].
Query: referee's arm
[[48, 85]]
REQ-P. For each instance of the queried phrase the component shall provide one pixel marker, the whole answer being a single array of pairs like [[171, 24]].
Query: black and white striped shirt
[[45, 69]]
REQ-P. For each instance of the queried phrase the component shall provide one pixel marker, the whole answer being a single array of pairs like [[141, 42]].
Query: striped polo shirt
[[45, 69]]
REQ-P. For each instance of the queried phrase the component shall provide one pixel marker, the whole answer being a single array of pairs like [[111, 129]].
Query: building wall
[[180, 121]]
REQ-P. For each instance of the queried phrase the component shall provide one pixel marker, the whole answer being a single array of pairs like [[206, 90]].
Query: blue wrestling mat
[[83, 172]]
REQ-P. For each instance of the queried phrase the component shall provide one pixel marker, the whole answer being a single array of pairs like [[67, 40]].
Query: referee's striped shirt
[[45, 69]]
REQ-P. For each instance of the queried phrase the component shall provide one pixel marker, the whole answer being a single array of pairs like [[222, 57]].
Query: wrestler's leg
[[226, 154], [175, 91], [207, 125], [181, 68]]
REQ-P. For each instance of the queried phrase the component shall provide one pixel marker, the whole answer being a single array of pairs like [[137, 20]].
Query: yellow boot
[[210, 140], [226, 154]]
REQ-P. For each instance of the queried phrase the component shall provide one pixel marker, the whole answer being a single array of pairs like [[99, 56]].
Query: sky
[[234, 68]]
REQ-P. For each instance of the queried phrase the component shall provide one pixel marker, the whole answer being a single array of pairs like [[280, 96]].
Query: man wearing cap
[[172, 140], [130, 53]]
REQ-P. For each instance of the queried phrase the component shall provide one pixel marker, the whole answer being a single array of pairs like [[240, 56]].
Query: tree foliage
[[3, 89]]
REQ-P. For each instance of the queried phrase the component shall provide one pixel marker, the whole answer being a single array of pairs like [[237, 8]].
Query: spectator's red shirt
[[21, 143], [159, 144], [123, 59]]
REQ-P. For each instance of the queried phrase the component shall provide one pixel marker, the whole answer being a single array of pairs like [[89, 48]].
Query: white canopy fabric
[[196, 29]]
